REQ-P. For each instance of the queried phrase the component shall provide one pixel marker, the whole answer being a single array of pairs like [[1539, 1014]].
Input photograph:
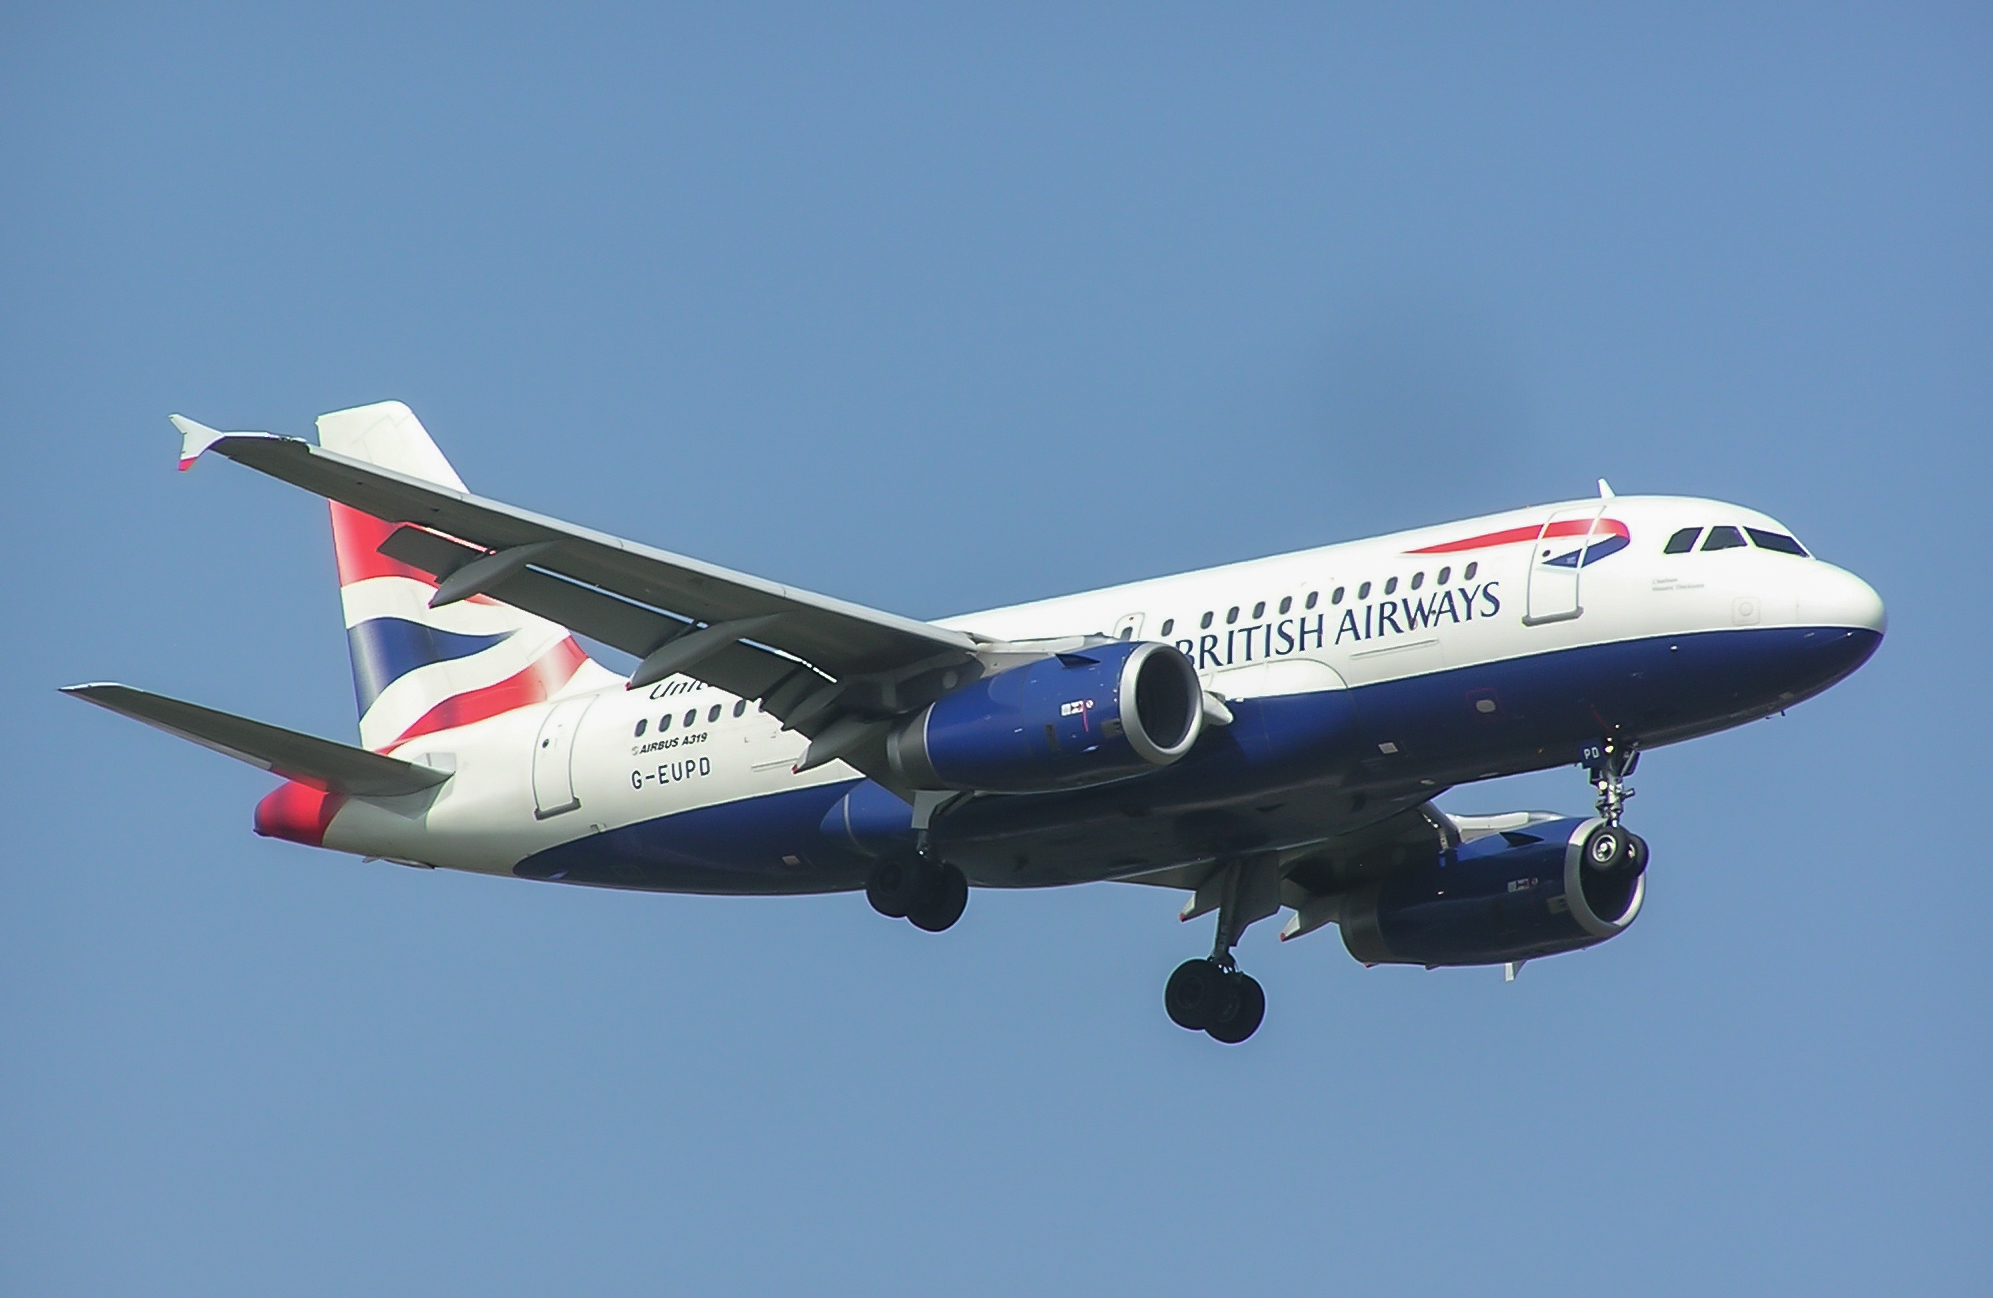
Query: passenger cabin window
[[1472, 568], [1391, 586], [740, 708], [1231, 615], [664, 723], [691, 717], [1127, 632], [643, 724], [1418, 580], [1336, 598], [712, 714], [1314, 595], [1723, 538], [1169, 625], [1286, 602], [1259, 610], [1204, 623], [1682, 542], [1776, 541], [1444, 574]]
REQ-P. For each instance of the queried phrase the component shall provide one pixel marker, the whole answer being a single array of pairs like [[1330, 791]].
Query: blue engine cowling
[[1507, 897], [1101, 713]]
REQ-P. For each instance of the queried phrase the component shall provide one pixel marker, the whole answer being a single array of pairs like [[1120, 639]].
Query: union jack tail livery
[[417, 669]]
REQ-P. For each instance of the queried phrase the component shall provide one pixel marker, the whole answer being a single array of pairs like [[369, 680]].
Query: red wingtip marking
[[188, 463]]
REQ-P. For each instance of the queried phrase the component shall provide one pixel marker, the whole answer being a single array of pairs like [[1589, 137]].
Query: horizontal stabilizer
[[320, 763]]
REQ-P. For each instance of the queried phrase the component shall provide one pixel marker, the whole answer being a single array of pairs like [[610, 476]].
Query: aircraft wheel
[[1247, 1008], [898, 885], [945, 902], [1197, 994], [1637, 860], [1607, 849]]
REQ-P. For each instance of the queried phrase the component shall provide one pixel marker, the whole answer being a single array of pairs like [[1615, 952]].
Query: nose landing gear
[[1213, 995], [1609, 761], [1613, 849]]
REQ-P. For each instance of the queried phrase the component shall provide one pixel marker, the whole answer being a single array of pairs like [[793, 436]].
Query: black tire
[[899, 885], [1248, 1007], [950, 896], [1607, 850], [1197, 993], [1637, 862]]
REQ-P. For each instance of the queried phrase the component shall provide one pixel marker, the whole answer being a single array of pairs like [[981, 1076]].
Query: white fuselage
[[1335, 618]]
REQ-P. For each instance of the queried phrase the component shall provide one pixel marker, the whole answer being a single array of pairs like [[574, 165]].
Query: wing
[[835, 671], [1314, 878]]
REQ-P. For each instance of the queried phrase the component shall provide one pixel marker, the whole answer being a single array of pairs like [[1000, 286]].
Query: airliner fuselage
[[1263, 734]]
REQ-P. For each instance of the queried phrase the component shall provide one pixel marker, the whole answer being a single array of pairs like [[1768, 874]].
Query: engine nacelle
[[1507, 897], [1101, 713]]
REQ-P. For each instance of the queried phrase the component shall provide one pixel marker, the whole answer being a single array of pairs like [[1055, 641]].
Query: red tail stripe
[[356, 541], [1569, 527], [536, 684]]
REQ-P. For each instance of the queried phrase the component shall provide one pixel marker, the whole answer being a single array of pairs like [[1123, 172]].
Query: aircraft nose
[[1842, 599]]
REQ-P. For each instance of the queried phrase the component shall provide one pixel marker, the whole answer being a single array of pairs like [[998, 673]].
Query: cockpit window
[[1682, 542], [1723, 538], [1776, 541]]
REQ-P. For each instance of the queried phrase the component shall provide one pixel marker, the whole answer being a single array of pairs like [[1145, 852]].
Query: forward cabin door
[[1558, 562], [553, 757]]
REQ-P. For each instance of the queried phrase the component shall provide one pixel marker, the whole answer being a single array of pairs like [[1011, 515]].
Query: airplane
[[1261, 736]]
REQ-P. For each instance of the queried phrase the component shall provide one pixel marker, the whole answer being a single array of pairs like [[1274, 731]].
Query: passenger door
[[1556, 563], [553, 757]]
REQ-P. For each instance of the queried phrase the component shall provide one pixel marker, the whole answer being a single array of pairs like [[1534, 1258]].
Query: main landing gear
[[1213, 995], [927, 893]]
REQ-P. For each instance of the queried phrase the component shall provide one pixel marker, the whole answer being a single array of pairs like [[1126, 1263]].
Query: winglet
[[197, 438]]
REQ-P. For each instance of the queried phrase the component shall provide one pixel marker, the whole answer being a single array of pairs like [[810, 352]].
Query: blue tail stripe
[[385, 649]]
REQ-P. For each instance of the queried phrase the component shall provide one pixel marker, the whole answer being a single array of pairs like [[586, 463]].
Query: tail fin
[[417, 670]]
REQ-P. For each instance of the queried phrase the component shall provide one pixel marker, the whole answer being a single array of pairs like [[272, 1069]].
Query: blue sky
[[936, 309]]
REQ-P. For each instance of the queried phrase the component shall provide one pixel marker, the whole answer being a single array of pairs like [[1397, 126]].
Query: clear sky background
[[937, 309]]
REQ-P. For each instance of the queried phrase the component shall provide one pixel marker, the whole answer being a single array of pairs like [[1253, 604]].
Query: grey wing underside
[[1313, 878]]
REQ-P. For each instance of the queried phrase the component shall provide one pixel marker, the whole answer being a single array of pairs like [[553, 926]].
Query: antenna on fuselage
[[1605, 489]]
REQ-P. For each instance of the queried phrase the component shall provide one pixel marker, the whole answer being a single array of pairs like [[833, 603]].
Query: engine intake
[[1106, 712], [1506, 897]]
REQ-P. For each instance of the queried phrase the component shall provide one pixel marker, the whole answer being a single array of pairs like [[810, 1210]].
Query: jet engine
[[1560, 886], [1099, 713]]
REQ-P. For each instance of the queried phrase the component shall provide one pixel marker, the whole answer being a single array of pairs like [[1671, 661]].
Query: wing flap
[[320, 763], [742, 669]]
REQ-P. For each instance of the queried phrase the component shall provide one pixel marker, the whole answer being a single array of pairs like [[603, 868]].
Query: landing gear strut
[[1609, 762], [1213, 995], [1612, 848], [927, 893]]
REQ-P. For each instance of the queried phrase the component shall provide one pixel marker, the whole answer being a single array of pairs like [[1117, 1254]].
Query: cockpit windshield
[[1776, 541], [1725, 537]]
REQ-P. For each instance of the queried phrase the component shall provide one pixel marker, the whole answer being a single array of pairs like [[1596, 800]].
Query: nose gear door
[[553, 757], [1557, 561]]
